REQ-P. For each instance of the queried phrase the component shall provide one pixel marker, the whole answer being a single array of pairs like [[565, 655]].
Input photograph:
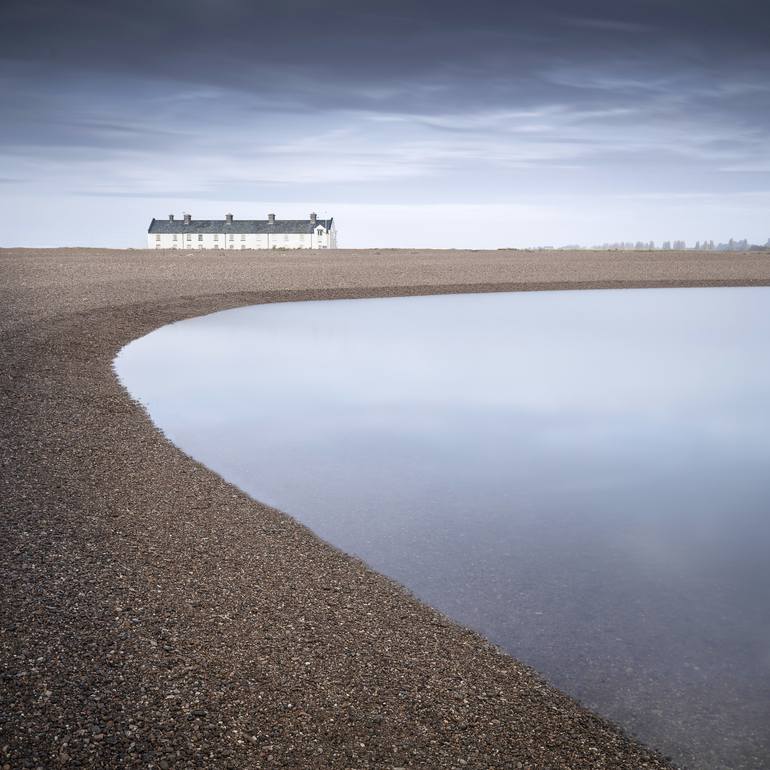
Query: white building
[[230, 233]]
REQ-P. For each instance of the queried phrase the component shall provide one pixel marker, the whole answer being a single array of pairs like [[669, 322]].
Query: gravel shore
[[154, 616]]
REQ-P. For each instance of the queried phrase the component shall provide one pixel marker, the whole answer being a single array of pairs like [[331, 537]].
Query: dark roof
[[238, 226]]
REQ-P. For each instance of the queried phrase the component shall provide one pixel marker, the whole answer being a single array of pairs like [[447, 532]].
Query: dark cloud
[[273, 45], [173, 76], [390, 56]]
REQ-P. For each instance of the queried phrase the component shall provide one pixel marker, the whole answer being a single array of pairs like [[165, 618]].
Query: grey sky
[[473, 124]]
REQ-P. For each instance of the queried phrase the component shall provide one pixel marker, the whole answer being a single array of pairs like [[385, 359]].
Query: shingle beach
[[154, 616]]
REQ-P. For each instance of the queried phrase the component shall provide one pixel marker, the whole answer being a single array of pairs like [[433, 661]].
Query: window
[[175, 237], [200, 237], [243, 237]]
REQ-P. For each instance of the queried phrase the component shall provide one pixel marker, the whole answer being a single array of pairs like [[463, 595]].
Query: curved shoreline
[[155, 616]]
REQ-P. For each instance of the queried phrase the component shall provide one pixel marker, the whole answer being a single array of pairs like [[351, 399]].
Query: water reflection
[[582, 476]]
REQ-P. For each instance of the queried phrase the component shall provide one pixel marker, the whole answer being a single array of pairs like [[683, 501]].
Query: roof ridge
[[239, 226]]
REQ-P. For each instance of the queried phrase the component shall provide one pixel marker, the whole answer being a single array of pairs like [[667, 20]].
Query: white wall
[[241, 241]]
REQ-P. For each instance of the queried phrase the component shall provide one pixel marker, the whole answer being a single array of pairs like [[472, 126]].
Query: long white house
[[231, 233]]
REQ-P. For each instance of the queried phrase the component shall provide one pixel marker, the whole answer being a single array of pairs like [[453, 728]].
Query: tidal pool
[[584, 477]]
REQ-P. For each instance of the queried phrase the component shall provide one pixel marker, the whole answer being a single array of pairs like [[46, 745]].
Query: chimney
[[313, 217], [187, 218], [271, 218], [170, 217], [229, 219]]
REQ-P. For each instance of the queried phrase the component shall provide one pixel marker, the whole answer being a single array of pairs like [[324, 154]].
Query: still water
[[584, 477]]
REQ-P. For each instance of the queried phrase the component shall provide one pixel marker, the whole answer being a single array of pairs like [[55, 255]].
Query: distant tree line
[[731, 245]]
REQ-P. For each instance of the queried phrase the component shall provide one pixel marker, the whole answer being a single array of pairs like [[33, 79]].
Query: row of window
[[229, 246], [188, 236]]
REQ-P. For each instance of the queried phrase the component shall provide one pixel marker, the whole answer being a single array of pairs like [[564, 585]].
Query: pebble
[[113, 539]]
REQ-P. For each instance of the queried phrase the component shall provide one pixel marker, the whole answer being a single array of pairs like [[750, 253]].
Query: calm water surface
[[584, 477]]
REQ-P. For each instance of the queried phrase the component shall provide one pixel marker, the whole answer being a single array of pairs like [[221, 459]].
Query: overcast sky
[[454, 123]]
